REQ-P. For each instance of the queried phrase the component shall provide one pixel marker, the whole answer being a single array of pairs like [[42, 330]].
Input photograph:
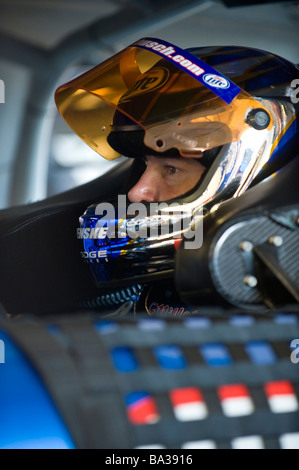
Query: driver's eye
[[172, 170]]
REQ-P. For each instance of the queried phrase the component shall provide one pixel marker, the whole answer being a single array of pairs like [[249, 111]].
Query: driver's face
[[166, 178]]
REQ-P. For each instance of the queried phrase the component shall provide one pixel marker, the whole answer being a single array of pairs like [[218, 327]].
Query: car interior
[[89, 369]]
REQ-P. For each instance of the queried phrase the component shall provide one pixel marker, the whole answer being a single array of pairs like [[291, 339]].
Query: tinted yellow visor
[[178, 100]]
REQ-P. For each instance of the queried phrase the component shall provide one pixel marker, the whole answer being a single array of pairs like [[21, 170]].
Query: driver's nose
[[146, 189]]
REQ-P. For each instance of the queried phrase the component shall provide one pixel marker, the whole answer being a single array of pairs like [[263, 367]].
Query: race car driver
[[202, 125]]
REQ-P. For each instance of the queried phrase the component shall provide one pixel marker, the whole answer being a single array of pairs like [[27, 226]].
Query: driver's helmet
[[233, 108]]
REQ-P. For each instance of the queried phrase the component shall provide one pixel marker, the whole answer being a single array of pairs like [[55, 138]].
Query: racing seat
[[41, 269]]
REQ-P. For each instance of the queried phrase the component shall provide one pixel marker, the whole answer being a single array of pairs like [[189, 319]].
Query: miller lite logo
[[215, 81], [147, 82]]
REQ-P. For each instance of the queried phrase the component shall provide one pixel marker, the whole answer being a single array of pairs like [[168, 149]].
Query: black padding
[[41, 269]]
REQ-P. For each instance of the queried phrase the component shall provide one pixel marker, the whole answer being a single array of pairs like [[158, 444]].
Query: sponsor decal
[[148, 81], [197, 68], [164, 310], [141, 221], [94, 256], [92, 233], [169, 52], [215, 81]]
